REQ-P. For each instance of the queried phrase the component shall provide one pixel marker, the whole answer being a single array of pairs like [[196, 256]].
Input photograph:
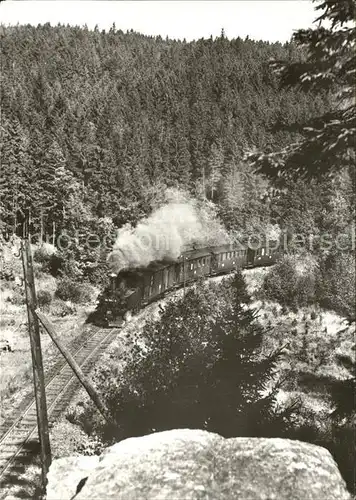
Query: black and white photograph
[[177, 250]]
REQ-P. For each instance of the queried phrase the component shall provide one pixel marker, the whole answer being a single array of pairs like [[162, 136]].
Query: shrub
[[289, 286], [47, 255], [11, 264], [69, 290], [61, 308], [336, 283], [68, 439], [44, 252], [16, 297], [97, 274], [44, 298]]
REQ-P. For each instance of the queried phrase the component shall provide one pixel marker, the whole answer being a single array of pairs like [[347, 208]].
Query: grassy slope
[[313, 340]]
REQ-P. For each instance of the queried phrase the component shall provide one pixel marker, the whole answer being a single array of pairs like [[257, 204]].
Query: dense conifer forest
[[96, 124]]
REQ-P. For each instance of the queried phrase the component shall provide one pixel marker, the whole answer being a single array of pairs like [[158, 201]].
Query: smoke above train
[[180, 224]]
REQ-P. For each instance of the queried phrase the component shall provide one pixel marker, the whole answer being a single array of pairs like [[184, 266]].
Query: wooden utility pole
[[37, 365], [88, 386]]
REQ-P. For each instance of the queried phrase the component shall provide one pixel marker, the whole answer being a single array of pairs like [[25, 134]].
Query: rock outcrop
[[193, 464]]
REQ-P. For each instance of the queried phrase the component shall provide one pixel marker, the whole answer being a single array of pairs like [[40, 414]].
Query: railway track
[[20, 439]]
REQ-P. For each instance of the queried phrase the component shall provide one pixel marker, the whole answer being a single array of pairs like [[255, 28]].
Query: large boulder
[[193, 464]]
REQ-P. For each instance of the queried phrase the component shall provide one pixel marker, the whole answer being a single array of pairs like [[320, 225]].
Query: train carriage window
[[191, 266], [262, 251]]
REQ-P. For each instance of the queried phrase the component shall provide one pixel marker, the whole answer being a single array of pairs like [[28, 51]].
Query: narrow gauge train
[[132, 289]]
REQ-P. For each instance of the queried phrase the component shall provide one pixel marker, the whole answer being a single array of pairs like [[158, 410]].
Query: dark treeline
[[96, 124]]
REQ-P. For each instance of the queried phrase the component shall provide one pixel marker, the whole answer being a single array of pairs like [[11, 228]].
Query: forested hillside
[[97, 124]]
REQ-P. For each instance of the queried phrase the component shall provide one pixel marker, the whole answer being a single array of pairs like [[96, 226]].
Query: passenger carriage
[[194, 264], [134, 288], [226, 258]]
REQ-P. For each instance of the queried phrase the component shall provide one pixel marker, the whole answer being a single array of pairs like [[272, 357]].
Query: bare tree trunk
[[41, 228]]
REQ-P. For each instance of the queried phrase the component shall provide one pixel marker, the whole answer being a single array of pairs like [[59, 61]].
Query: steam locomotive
[[132, 289]]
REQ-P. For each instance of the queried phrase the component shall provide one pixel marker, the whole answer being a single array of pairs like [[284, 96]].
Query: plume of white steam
[[179, 224]]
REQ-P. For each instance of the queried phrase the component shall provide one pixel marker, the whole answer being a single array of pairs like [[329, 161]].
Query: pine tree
[[16, 165], [329, 69], [216, 162], [198, 366]]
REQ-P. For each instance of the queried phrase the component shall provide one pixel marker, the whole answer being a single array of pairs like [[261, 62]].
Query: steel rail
[[24, 428]]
